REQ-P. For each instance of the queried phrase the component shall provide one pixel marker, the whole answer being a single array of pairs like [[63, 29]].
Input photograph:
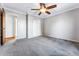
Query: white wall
[[63, 26], [76, 18], [34, 26], [20, 24]]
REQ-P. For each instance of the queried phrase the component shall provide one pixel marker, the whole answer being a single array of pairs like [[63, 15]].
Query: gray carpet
[[40, 46]]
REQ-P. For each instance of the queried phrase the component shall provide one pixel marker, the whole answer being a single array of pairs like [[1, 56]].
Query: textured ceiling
[[26, 8]]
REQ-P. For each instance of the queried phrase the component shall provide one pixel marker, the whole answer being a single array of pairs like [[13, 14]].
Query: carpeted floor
[[40, 46]]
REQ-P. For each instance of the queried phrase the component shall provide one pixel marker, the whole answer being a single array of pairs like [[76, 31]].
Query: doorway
[[10, 27], [7, 27]]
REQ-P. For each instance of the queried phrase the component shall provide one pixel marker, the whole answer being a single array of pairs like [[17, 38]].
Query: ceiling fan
[[44, 9]]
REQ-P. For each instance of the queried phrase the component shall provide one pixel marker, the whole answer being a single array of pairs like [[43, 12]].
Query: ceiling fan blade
[[39, 13], [47, 12], [52, 6], [44, 5], [35, 9], [41, 4]]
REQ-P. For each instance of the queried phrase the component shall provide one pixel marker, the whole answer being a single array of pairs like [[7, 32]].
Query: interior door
[[2, 26]]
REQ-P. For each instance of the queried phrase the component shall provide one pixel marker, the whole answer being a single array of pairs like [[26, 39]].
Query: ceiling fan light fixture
[[43, 10]]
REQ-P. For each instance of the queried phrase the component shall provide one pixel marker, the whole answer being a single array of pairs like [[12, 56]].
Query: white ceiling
[[26, 8]]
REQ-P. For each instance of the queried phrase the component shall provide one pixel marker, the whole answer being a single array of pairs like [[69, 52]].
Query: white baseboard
[[73, 40]]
